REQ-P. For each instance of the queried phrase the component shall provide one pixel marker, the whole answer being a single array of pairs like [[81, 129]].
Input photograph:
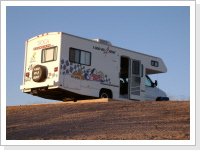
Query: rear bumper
[[28, 87], [53, 92]]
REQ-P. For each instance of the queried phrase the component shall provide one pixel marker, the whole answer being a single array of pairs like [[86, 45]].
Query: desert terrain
[[99, 120]]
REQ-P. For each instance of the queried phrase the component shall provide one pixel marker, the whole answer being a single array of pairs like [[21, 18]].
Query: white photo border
[[4, 4]]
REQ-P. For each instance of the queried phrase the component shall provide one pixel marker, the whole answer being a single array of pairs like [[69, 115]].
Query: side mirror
[[156, 83]]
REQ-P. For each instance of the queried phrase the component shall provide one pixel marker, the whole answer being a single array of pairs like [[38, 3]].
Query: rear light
[[27, 74], [55, 69]]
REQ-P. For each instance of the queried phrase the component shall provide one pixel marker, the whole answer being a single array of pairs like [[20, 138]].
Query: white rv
[[64, 67]]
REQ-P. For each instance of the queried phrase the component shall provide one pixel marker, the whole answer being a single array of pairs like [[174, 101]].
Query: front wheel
[[158, 99]]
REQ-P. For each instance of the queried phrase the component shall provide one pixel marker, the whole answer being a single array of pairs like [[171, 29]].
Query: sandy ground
[[112, 120]]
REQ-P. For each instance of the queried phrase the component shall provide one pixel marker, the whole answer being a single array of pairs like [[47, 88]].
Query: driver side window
[[147, 82]]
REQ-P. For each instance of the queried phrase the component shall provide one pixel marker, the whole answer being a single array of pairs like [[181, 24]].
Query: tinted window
[[135, 67], [154, 63], [147, 82], [80, 56]]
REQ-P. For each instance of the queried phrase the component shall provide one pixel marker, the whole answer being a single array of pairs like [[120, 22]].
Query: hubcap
[[104, 95]]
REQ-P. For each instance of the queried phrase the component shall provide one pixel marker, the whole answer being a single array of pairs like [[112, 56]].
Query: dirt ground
[[112, 120]]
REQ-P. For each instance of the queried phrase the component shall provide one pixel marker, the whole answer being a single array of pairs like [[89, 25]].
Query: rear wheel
[[105, 94]]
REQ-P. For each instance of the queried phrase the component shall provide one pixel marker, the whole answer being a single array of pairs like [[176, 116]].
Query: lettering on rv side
[[105, 51]]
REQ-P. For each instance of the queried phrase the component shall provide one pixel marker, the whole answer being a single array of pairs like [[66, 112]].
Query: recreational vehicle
[[61, 66]]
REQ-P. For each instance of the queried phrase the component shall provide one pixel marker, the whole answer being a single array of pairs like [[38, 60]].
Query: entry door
[[135, 79]]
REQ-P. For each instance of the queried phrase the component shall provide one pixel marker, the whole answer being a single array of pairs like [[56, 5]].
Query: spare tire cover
[[39, 73]]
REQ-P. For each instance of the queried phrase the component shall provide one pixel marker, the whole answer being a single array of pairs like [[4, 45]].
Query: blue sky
[[162, 31]]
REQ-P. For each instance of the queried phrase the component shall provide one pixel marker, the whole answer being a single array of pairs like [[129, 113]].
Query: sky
[[161, 31]]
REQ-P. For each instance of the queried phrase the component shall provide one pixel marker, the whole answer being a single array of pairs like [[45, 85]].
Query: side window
[[135, 67], [85, 58], [154, 63], [49, 54], [147, 82], [79, 56], [74, 55]]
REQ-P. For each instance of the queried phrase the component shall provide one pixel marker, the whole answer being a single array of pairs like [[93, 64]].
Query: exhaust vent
[[102, 41]]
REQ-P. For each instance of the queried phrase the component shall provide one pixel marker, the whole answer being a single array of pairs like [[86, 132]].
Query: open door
[[135, 79], [124, 76]]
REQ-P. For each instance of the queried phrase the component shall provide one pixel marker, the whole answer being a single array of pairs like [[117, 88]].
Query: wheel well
[[158, 99], [107, 90]]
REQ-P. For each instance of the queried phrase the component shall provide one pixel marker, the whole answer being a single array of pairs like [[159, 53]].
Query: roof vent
[[102, 41]]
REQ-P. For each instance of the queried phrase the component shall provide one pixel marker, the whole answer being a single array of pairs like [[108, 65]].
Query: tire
[[105, 94], [158, 99], [39, 73]]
